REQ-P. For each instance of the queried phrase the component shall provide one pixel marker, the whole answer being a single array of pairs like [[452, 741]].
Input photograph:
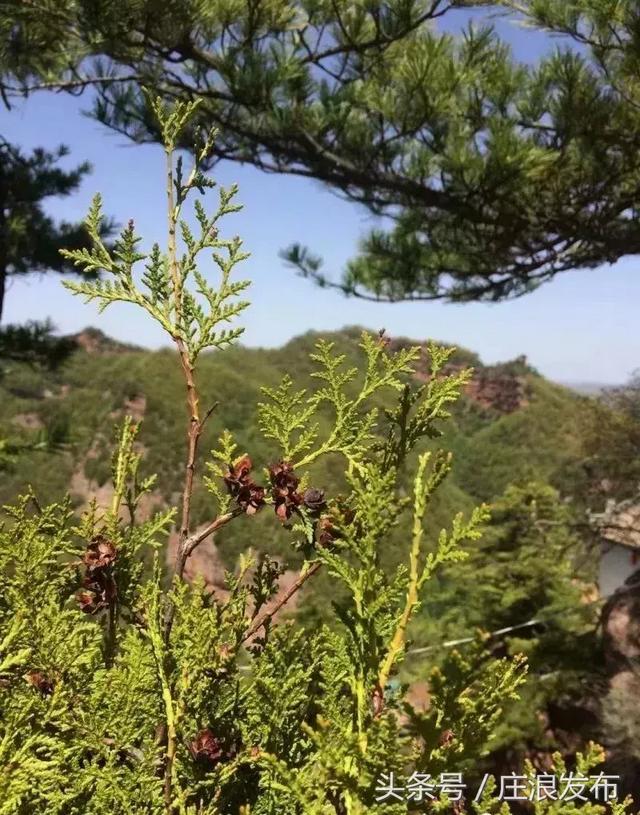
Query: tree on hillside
[[495, 176], [31, 240], [530, 565], [610, 467]]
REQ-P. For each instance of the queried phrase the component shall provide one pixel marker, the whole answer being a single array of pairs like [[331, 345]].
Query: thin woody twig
[[196, 538], [62, 85], [264, 618], [193, 436], [206, 416]]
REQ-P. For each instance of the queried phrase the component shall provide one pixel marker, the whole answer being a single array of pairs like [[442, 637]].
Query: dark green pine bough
[[493, 176], [124, 690], [30, 241]]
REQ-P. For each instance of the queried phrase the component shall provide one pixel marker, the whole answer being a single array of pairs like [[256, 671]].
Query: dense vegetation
[[129, 686], [122, 690], [71, 412], [513, 436], [125, 687]]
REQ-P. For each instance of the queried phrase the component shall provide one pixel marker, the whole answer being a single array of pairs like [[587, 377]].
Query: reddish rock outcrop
[[501, 388], [94, 341]]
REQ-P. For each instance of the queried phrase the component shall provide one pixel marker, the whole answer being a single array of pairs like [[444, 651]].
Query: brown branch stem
[[193, 435], [196, 424], [62, 85], [264, 618], [196, 538]]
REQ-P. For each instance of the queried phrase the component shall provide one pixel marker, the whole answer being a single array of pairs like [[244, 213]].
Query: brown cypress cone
[[314, 500], [447, 737], [238, 474], [41, 682], [284, 485], [206, 748], [327, 532], [88, 602], [98, 592], [242, 488], [329, 525], [250, 498], [377, 701], [99, 554]]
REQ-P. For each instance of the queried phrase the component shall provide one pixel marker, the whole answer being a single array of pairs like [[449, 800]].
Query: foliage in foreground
[[128, 691], [523, 579]]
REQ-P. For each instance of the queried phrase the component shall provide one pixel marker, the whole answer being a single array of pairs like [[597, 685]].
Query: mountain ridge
[[95, 341], [73, 409]]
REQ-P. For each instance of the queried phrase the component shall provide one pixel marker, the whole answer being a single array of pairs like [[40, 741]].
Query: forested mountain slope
[[512, 425]]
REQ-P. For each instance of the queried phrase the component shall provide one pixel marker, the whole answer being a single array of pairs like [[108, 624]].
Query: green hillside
[[512, 427]]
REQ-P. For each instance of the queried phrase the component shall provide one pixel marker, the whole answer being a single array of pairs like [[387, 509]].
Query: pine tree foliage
[[30, 240], [495, 175], [127, 690], [35, 343], [610, 466]]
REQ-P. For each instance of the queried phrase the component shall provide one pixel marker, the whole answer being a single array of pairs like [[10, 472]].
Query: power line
[[528, 624], [508, 629], [452, 643]]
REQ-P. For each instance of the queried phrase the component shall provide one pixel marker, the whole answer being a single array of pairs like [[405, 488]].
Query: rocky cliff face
[[495, 388], [94, 341], [621, 641], [500, 388]]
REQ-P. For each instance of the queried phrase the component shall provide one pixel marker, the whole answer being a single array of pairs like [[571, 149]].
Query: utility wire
[[508, 629], [536, 621]]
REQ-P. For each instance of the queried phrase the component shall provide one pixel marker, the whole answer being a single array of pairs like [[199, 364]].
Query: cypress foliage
[[126, 690]]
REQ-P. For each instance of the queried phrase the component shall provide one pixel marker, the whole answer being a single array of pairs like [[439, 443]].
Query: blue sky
[[584, 326]]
